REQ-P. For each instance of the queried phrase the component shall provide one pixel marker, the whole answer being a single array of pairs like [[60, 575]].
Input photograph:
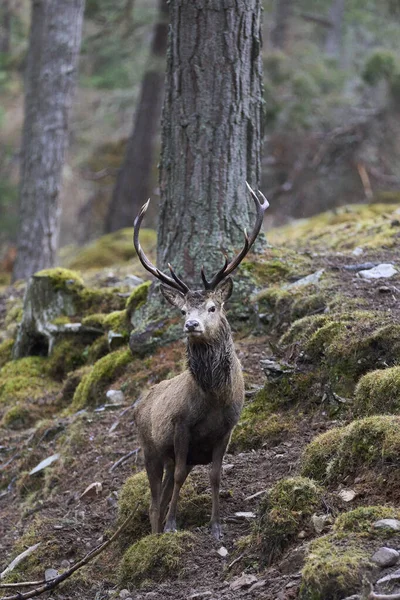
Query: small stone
[[132, 281], [347, 495], [44, 463], [243, 581], [245, 515], [301, 535], [227, 468], [386, 557], [319, 522], [64, 564], [309, 280], [393, 524], [92, 490], [124, 594], [50, 574], [116, 396], [357, 251], [383, 271], [257, 585], [223, 552]]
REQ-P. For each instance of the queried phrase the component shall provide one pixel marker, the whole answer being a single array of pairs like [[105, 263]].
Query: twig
[[373, 596], [18, 559], [234, 562], [123, 459], [50, 585]]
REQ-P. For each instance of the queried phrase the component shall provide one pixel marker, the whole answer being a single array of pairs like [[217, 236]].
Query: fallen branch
[[46, 586], [18, 559], [123, 459], [373, 596]]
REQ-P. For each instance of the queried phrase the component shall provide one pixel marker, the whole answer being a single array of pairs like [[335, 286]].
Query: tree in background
[[133, 185], [333, 42], [280, 32], [54, 43], [211, 132], [5, 26]]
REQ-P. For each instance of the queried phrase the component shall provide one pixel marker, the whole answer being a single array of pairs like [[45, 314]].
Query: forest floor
[[71, 525]]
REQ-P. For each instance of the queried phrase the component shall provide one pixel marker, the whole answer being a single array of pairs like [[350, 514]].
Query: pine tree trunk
[[333, 43], [133, 185], [280, 32], [54, 43], [211, 132]]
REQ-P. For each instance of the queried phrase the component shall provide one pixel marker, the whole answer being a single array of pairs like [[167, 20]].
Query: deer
[[188, 420]]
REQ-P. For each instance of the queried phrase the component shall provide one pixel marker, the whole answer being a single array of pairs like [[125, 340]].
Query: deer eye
[[183, 311], [211, 309]]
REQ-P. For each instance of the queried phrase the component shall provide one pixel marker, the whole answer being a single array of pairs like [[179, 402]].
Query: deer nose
[[191, 325]]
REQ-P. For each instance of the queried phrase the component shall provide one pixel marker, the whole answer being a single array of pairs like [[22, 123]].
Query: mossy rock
[[334, 568], [6, 352], [18, 417], [194, 507], [117, 321], [378, 392], [137, 298], [26, 379], [284, 512], [68, 355], [360, 521], [155, 558], [112, 249], [93, 385], [368, 446], [364, 225], [277, 266]]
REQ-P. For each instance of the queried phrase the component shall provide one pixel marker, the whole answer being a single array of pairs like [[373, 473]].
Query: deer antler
[[248, 242], [173, 281]]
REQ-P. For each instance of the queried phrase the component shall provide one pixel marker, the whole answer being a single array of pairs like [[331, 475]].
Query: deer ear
[[173, 296], [224, 290]]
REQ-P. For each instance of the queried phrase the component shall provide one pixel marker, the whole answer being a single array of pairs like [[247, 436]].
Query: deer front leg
[[154, 469], [215, 480], [181, 471]]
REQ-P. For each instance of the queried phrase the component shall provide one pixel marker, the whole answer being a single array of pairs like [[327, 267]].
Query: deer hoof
[[216, 531]]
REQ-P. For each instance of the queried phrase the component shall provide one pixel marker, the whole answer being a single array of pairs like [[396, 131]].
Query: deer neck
[[211, 363]]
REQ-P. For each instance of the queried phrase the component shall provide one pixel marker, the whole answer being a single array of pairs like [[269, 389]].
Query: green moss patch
[[93, 385], [6, 352], [361, 520], [368, 449], [333, 569], [25, 379], [112, 249], [378, 392], [285, 511], [67, 355], [194, 508], [137, 298], [155, 558]]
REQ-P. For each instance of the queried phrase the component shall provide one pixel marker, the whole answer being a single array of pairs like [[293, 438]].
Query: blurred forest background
[[331, 110]]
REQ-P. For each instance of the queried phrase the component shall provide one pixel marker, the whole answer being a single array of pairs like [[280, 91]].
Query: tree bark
[[133, 185], [54, 44], [333, 42], [211, 132], [280, 32], [5, 26]]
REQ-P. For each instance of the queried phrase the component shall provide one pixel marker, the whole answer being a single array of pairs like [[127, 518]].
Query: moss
[[62, 279], [117, 321], [94, 301], [155, 558], [333, 569], [92, 387], [67, 355], [69, 385], [285, 511], [364, 445], [378, 392], [17, 417], [365, 225], [26, 378], [95, 320], [194, 507], [361, 520], [254, 432], [112, 248], [98, 349], [138, 298], [6, 352], [319, 453], [381, 64]]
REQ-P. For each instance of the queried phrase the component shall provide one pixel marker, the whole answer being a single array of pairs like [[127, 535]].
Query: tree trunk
[[133, 185], [211, 132], [5, 26], [333, 42], [54, 43], [280, 32]]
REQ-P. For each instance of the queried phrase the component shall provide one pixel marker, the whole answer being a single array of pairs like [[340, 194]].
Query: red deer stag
[[188, 420]]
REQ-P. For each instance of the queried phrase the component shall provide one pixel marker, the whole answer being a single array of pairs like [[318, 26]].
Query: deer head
[[202, 309]]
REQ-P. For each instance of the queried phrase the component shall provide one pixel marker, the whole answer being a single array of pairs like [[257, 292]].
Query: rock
[[347, 495], [386, 557], [243, 581], [393, 524], [256, 586], [274, 369], [319, 522], [360, 266], [382, 271], [44, 463], [132, 281], [395, 576], [357, 251], [64, 564], [92, 490], [50, 574], [115, 340], [223, 552], [124, 594], [245, 515], [116, 396], [309, 280]]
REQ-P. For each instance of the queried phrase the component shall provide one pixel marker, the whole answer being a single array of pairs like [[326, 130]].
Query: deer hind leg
[[154, 470], [215, 480], [167, 489], [181, 471]]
